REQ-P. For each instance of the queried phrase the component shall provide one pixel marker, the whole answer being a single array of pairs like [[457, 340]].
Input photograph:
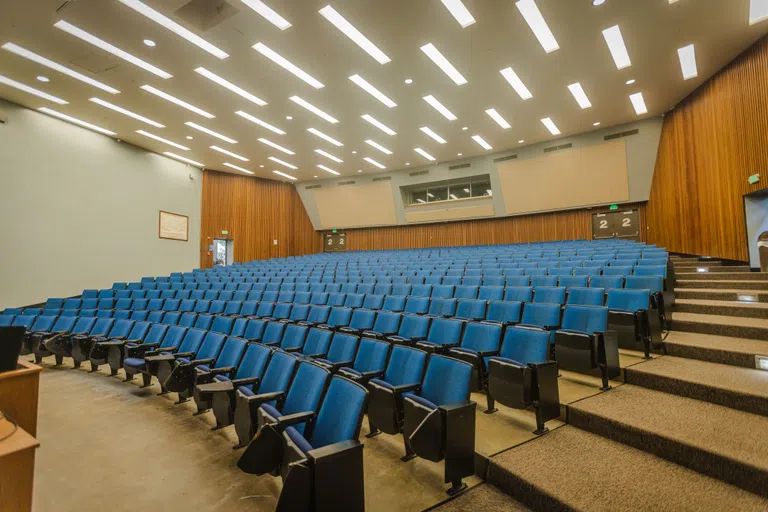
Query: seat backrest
[[299, 312], [654, 284], [586, 296], [185, 320], [628, 300], [421, 290], [278, 373], [481, 337], [139, 330], [101, 327], [248, 308], [192, 340], [254, 361], [336, 298], [155, 333], [589, 319], [265, 309], [387, 322], [471, 309], [254, 330], [202, 306], [341, 413], [490, 293], [317, 342], [373, 301], [555, 295], [285, 296], [203, 322], [273, 333], [414, 326], [572, 281], [306, 389], [525, 345], [606, 282], [401, 289], [617, 271], [354, 300], [446, 381], [222, 324], [211, 346], [293, 337], [406, 366], [72, 304], [302, 297], [282, 310], [63, 324], [394, 303], [319, 314], [238, 328], [465, 292], [543, 281], [444, 291], [217, 307], [231, 353], [362, 319], [320, 298], [417, 305], [343, 347], [541, 314], [232, 307], [365, 288], [187, 305], [444, 331], [518, 293]]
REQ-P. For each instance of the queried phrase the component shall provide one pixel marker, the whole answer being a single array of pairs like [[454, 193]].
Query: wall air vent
[[460, 166], [622, 134], [350, 182], [504, 158], [418, 173], [383, 178], [558, 148], [310, 187]]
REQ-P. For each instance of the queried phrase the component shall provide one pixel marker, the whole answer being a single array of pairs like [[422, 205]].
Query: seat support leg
[[409, 453], [456, 487], [491, 403], [373, 430]]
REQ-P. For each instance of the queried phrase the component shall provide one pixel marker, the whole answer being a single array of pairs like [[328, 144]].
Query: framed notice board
[[173, 226], [335, 242], [619, 224]]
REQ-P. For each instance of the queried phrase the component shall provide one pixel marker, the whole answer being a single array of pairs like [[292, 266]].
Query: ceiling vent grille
[[310, 187], [622, 134], [504, 158], [558, 148], [383, 178], [350, 182], [460, 166], [419, 173]]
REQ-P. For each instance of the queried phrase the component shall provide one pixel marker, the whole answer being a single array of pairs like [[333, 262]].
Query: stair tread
[[724, 303], [585, 471], [729, 433], [720, 319], [734, 281], [485, 497], [713, 342], [720, 290]]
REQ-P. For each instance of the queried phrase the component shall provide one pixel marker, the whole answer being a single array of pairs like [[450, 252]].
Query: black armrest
[[245, 382], [372, 334], [184, 354], [488, 353], [219, 371], [336, 366], [265, 397], [374, 374], [334, 449], [349, 330], [404, 388], [198, 362], [284, 422], [458, 406]]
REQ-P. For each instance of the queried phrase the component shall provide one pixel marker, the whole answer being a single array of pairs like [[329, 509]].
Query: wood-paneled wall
[[255, 212], [710, 144]]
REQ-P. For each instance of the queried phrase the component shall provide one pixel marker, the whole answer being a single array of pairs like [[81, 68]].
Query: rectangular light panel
[[580, 95], [432, 134], [160, 139], [31, 90], [213, 77], [314, 109], [460, 12], [378, 146], [374, 162], [328, 155], [497, 117], [325, 137], [229, 153], [550, 126], [76, 121], [287, 65], [424, 154], [276, 146], [183, 159], [517, 84], [126, 112], [758, 11], [443, 64], [535, 20], [482, 142], [285, 175], [268, 13], [639, 103], [177, 101], [22, 52], [210, 132], [367, 87], [326, 169], [355, 35], [174, 27], [687, 55], [615, 42], [440, 107], [114, 50], [235, 167], [381, 126], [259, 122], [281, 162]]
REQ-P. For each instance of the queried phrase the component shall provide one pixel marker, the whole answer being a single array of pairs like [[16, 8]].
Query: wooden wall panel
[[710, 144]]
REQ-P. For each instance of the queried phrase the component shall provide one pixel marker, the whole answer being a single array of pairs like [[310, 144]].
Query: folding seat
[[452, 280], [572, 281], [270, 296], [217, 307], [299, 312], [204, 287], [202, 322], [104, 329], [210, 294], [317, 315], [339, 317], [361, 320], [374, 302], [302, 287], [317, 343], [248, 308], [89, 303], [139, 316], [328, 446], [586, 296], [417, 305], [413, 328], [36, 339], [437, 419], [433, 279], [518, 294], [336, 298], [202, 306], [394, 303], [246, 287], [254, 330], [197, 295], [171, 305], [660, 301], [217, 286], [238, 327], [319, 298], [561, 271], [466, 292], [606, 282], [490, 292], [544, 315], [443, 335], [551, 294], [226, 295], [72, 304], [317, 287], [186, 319], [177, 285], [387, 324], [333, 287], [255, 295], [287, 287], [535, 272], [651, 270], [123, 303], [152, 294], [470, 309], [106, 303], [183, 294], [285, 296], [186, 305], [341, 352], [202, 350], [222, 324], [442, 308], [89, 294], [399, 280], [282, 311], [302, 298], [348, 288], [155, 304], [293, 337], [443, 291], [167, 294], [190, 286], [517, 281], [105, 294], [414, 280], [100, 350], [230, 286], [543, 281], [584, 343], [617, 271], [628, 318], [421, 290], [587, 271], [265, 309], [163, 287], [41, 324], [382, 289]]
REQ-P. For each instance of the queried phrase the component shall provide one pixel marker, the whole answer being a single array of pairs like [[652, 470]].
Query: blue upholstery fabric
[[541, 315], [319, 314], [371, 355], [254, 361], [471, 309], [628, 300], [442, 307], [504, 311], [606, 282], [588, 319], [230, 353], [525, 345], [445, 331], [298, 439], [339, 316], [518, 294], [555, 295], [417, 305], [421, 400], [278, 373], [586, 296], [414, 326], [222, 324], [134, 362], [354, 300], [318, 341], [394, 303], [343, 348], [446, 381], [481, 337], [340, 414], [273, 333], [406, 366], [652, 283]]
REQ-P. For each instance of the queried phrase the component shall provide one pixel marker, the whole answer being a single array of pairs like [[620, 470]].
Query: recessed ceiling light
[[22, 52], [233, 166], [261, 166], [354, 152], [174, 27], [631, 81], [213, 77], [31, 90], [517, 84], [615, 42], [687, 56], [359, 170], [550, 126], [281, 162], [379, 125], [276, 146], [177, 101], [482, 142], [535, 20], [520, 141], [597, 3], [367, 87], [460, 12], [465, 128], [150, 43], [432, 134], [229, 153], [441, 62], [407, 163], [325, 137], [183, 159], [43, 79], [378, 146], [639, 103], [289, 117], [459, 154], [758, 11], [497, 117], [440, 107], [190, 137], [73, 120], [126, 112], [355, 35], [313, 109], [596, 124], [328, 155], [287, 65], [210, 132], [409, 81], [374, 162], [259, 122], [267, 12], [315, 176], [285, 175], [579, 95], [160, 139], [424, 154], [109, 48], [326, 169]]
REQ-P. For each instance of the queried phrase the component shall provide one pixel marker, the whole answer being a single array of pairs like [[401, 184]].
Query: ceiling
[[653, 30]]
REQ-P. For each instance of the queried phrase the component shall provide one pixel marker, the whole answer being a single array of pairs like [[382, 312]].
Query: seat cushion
[[324, 361], [271, 411], [573, 331], [507, 361], [182, 360], [352, 371], [464, 350], [204, 368], [222, 378], [134, 362], [382, 383], [422, 401], [247, 391], [298, 439]]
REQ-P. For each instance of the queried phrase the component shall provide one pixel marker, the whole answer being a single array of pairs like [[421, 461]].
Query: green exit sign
[[333, 231], [754, 179], [614, 207], [224, 232]]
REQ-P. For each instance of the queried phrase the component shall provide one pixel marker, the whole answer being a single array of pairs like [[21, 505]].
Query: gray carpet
[[715, 349], [485, 498]]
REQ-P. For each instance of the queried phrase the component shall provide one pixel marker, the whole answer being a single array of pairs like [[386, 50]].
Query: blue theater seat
[[586, 296], [628, 317], [443, 335], [370, 361], [387, 323], [413, 328]]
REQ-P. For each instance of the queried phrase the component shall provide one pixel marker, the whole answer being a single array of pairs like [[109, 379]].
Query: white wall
[[80, 210]]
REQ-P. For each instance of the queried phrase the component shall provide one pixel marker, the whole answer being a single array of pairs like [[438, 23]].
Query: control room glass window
[[481, 188], [437, 194], [419, 197], [460, 191]]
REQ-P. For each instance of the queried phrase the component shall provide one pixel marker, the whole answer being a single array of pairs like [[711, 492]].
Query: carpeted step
[[688, 263], [730, 386], [715, 349], [483, 497], [571, 469], [722, 308], [712, 269], [721, 294], [737, 327], [722, 276], [713, 282], [717, 441]]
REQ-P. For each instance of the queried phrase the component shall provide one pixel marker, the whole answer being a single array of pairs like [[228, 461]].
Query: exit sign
[[333, 231], [754, 179], [614, 207], [224, 232]]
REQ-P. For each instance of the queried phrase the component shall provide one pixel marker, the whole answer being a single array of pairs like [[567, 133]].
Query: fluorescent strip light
[[183, 159], [73, 120], [432, 134], [379, 125], [367, 87], [421, 201], [164, 141], [517, 84], [326, 169], [229, 153], [497, 117], [259, 122], [31, 90], [453, 196], [615, 43], [440, 107], [281, 162], [270, 15], [313, 109], [535, 20], [758, 11], [22, 52], [233, 166], [276, 146], [378, 146], [328, 155], [126, 112], [325, 137], [639, 103], [374, 162], [430, 195], [580, 95], [210, 132], [114, 50], [424, 154], [442, 63], [687, 55], [174, 27], [285, 175], [460, 12], [287, 65], [177, 101], [351, 32], [213, 77], [550, 126], [482, 142]]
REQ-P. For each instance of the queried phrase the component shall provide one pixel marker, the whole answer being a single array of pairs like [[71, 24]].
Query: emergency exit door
[[335, 242], [624, 224]]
